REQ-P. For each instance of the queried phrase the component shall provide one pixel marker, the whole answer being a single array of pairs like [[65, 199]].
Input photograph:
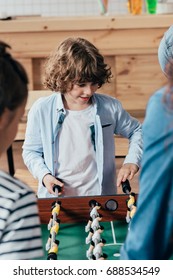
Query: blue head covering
[[165, 50]]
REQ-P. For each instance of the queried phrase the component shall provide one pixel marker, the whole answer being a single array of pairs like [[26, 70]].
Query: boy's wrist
[[44, 178]]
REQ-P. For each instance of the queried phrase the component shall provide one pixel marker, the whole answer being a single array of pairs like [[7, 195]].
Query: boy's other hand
[[50, 181], [127, 171]]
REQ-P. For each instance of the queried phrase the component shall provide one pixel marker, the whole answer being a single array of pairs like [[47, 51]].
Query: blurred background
[[72, 7]]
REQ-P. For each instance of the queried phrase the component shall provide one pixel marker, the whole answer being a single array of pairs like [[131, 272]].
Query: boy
[[70, 134]]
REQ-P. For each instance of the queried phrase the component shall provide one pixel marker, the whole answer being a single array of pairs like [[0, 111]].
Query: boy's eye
[[94, 84], [81, 85]]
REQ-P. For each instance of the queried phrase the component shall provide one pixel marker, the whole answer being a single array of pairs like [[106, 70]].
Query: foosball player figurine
[[102, 257], [88, 238], [96, 237], [131, 207], [48, 244], [95, 223], [55, 226], [53, 232], [89, 252], [95, 206], [52, 254], [55, 222], [97, 251], [51, 222], [88, 226], [56, 205], [126, 187]]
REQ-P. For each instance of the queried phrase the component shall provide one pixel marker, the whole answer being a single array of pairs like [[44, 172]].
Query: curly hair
[[13, 81], [75, 60]]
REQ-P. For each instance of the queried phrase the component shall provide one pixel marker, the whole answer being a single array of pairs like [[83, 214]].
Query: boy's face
[[80, 94]]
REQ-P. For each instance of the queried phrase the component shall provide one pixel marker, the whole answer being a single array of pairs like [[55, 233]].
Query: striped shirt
[[20, 232]]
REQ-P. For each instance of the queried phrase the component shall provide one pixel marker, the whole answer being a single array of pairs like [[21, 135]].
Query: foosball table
[[68, 231]]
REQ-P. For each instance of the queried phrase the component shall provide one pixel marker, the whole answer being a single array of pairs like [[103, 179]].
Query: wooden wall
[[129, 44]]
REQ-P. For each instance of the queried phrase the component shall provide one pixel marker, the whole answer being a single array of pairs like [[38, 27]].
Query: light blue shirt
[[151, 229], [45, 119]]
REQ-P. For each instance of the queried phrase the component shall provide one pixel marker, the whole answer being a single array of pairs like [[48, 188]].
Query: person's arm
[[151, 227], [33, 147], [130, 128]]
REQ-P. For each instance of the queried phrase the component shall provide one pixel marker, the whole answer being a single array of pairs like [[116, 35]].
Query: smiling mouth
[[85, 98]]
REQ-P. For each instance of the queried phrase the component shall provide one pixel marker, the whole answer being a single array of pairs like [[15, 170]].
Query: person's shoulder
[[13, 188], [105, 99], [158, 94], [44, 100], [155, 116], [156, 100], [103, 96], [45, 103]]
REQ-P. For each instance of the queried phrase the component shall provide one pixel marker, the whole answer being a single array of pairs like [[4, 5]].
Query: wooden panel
[[77, 209], [38, 70], [109, 42], [47, 24], [21, 131], [138, 77], [128, 43], [27, 63]]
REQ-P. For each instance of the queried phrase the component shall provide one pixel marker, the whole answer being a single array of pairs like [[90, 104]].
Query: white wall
[[59, 7], [63, 7]]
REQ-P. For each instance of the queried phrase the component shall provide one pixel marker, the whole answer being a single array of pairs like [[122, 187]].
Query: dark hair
[[13, 81], [75, 60]]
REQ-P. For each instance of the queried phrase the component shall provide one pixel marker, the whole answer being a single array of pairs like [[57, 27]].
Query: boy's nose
[[88, 90]]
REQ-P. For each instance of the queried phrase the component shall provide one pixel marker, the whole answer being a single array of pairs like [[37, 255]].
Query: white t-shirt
[[76, 156]]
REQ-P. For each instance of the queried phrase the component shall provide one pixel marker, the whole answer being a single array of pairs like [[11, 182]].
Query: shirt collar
[[59, 103], [94, 102]]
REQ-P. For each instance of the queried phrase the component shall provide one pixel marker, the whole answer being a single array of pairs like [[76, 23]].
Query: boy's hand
[[127, 171], [50, 181]]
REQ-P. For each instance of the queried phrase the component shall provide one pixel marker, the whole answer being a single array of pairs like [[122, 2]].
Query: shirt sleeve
[[33, 147], [130, 128]]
